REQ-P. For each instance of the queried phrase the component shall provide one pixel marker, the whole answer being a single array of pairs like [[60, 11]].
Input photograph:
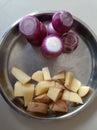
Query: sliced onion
[[70, 41], [62, 21], [52, 46]]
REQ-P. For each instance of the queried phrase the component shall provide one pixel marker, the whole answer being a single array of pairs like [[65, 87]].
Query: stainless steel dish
[[16, 51]]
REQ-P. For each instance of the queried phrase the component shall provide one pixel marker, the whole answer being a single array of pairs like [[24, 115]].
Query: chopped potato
[[38, 76], [72, 97], [54, 93], [74, 86], [58, 85], [60, 76], [20, 75], [68, 79], [83, 91], [42, 98], [59, 106], [46, 73], [18, 89], [37, 107], [43, 86]]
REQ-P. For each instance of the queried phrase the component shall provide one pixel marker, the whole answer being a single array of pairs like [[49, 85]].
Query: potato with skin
[[43, 86], [83, 91], [42, 98], [20, 75], [72, 97], [54, 93], [59, 106], [38, 76], [37, 107], [46, 73]]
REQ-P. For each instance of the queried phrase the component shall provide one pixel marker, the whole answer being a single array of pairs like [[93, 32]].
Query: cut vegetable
[[72, 97], [43, 86], [38, 76], [70, 41], [59, 106], [54, 93], [29, 26], [75, 85], [62, 21], [52, 46], [60, 76], [51, 30], [46, 73], [83, 91], [42, 98], [37, 107], [20, 75]]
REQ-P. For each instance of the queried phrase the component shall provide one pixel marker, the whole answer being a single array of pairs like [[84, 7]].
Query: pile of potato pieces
[[50, 92]]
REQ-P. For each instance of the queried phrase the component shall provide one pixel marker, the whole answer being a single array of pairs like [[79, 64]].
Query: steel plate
[[16, 51]]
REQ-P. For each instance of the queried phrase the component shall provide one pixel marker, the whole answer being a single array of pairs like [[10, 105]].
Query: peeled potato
[[83, 91], [43, 86], [42, 98], [46, 73], [72, 97], [20, 75], [38, 76]]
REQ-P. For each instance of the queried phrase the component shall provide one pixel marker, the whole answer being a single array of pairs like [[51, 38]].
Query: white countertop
[[10, 11]]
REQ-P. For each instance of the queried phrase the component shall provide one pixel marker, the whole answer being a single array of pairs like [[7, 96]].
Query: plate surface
[[16, 51]]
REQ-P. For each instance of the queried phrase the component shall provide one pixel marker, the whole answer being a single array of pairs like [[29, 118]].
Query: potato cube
[[46, 73], [37, 107], [58, 85], [59, 106], [28, 93], [20, 75], [74, 86], [68, 79], [83, 91], [60, 76], [38, 76], [54, 93], [42, 98], [43, 86], [18, 87], [72, 97]]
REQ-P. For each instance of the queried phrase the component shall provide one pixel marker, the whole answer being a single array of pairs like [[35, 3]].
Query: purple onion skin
[[62, 21], [70, 42], [51, 54], [51, 30], [36, 27], [38, 41]]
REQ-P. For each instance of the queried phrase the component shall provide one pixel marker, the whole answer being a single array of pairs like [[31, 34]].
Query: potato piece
[[28, 93], [74, 86], [24, 90], [72, 97], [83, 91], [20, 75], [38, 76], [59, 106], [42, 98], [46, 73], [58, 85], [37, 107], [43, 86], [68, 79], [60, 76], [18, 89], [54, 93]]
